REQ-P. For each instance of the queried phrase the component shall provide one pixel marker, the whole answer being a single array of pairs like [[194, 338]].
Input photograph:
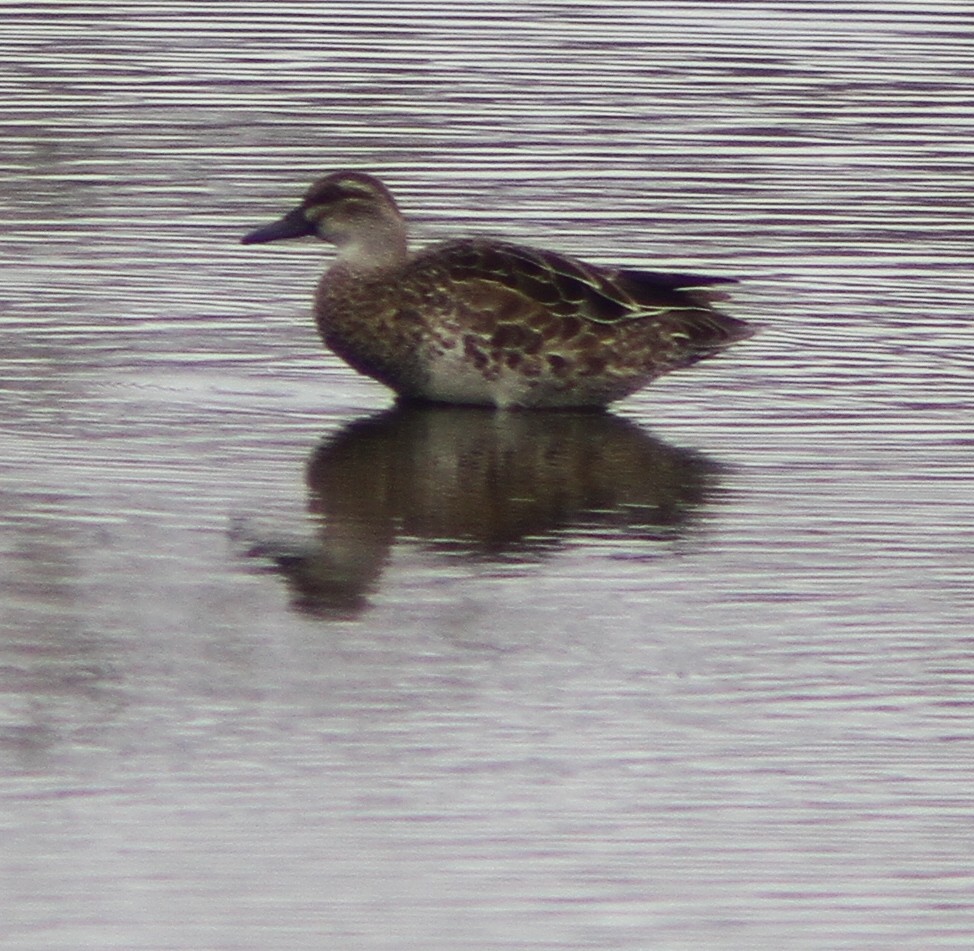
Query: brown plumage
[[492, 323]]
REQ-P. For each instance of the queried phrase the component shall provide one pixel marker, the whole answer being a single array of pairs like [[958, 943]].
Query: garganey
[[486, 322]]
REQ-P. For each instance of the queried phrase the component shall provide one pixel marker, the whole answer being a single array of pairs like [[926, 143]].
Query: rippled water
[[282, 668]]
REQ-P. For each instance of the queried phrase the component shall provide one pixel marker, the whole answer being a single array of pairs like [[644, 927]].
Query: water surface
[[280, 667]]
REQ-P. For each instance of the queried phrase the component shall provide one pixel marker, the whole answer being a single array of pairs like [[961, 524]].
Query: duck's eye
[[346, 207]]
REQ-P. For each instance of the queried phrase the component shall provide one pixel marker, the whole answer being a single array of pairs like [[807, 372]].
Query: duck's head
[[353, 211]]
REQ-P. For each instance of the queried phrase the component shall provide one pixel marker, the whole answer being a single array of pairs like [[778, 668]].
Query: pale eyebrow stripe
[[350, 184]]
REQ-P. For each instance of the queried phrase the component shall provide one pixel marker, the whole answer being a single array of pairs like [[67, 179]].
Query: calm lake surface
[[281, 667]]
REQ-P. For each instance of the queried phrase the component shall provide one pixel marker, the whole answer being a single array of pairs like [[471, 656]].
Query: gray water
[[282, 668]]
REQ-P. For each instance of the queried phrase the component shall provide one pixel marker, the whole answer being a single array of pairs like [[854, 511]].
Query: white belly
[[452, 378]]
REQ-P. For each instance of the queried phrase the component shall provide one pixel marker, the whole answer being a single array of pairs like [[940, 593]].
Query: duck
[[487, 322]]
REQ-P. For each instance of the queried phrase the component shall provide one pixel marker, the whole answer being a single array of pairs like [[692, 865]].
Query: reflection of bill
[[486, 485]]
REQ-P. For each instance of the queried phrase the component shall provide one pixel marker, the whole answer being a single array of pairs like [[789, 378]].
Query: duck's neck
[[379, 247]]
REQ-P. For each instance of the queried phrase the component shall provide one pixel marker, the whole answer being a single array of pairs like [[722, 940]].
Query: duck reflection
[[497, 486]]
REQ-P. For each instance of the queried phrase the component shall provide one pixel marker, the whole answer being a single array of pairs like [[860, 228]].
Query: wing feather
[[600, 295]]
